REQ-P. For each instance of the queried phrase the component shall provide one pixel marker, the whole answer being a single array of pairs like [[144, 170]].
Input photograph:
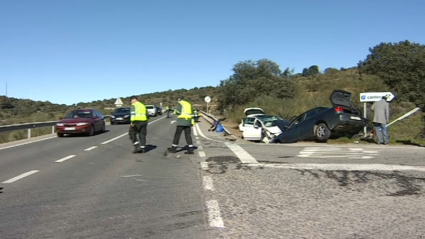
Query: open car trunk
[[342, 98], [253, 111]]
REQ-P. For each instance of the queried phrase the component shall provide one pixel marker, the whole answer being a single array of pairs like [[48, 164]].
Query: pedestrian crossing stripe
[[337, 152]]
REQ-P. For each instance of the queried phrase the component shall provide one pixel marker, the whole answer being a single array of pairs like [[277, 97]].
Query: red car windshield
[[79, 114]]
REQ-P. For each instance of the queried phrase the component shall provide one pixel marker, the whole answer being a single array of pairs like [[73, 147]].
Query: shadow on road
[[83, 135], [150, 147]]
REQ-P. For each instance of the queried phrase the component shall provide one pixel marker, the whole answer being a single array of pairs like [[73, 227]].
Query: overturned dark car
[[322, 123]]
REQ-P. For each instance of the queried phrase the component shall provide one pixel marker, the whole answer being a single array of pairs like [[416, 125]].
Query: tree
[[314, 70], [402, 67], [5, 103], [253, 79], [330, 71], [311, 71], [287, 73]]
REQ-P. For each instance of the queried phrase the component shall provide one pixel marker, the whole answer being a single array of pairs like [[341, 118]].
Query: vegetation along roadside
[[397, 67]]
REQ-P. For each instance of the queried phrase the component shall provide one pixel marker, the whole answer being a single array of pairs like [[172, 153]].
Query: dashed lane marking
[[204, 165], [120, 136], [65, 158], [88, 149], [214, 215], [202, 154], [21, 176], [208, 183]]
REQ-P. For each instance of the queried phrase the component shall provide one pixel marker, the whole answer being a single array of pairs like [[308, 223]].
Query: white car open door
[[246, 123], [253, 133]]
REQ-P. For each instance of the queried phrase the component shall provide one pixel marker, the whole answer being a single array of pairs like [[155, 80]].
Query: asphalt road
[[228, 189], [79, 191]]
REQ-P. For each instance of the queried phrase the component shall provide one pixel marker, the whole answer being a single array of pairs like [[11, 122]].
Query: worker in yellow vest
[[168, 111], [139, 123], [185, 122]]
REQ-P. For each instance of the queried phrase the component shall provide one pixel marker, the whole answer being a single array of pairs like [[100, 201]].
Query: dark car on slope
[[321, 123], [83, 121], [121, 115]]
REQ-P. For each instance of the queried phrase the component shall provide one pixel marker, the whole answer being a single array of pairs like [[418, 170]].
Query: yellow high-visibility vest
[[139, 112], [187, 112]]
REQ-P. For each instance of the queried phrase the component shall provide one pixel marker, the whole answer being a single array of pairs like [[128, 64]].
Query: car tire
[[322, 132], [60, 135]]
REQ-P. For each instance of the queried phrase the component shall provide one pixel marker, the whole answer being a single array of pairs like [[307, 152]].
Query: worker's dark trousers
[[139, 128], [187, 131], [168, 114]]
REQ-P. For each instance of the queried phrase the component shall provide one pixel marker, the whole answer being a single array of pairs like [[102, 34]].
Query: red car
[[82, 121]]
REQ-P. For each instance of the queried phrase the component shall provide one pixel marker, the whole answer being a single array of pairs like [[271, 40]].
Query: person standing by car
[[139, 123], [184, 112], [381, 118]]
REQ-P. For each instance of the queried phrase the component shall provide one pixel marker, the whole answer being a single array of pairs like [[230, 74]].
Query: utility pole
[[6, 88]]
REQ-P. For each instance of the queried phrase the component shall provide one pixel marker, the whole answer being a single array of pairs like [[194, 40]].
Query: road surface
[[94, 187]]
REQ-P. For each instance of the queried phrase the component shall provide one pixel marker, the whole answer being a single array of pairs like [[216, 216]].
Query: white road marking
[[347, 167], [120, 136], [133, 175], [202, 134], [337, 152], [208, 183], [195, 132], [34, 141], [202, 154], [21, 176], [64, 159], [201, 150], [88, 149], [204, 166], [214, 215], [244, 156]]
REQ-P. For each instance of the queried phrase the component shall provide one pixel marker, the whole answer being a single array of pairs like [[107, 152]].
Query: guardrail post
[[29, 133], [53, 129]]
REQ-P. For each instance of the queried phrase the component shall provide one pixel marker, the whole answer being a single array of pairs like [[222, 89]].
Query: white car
[[152, 111], [250, 114], [263, 128]]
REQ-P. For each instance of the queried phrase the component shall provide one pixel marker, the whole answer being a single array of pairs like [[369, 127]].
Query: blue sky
[[79, 51]]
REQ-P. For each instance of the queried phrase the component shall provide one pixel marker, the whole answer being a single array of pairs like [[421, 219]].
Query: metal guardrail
[[33, 125], [210, 117]]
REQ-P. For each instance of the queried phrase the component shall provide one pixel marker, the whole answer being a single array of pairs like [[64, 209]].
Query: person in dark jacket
[[185, 121]]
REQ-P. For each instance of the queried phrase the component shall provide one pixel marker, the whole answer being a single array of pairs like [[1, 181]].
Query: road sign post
[[208, 100], [367, 97]]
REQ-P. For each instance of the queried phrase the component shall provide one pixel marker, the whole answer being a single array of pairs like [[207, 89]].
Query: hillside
[[263, 84]]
